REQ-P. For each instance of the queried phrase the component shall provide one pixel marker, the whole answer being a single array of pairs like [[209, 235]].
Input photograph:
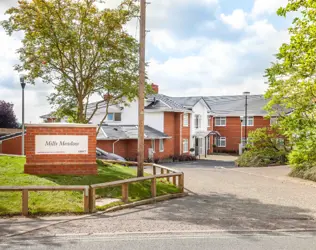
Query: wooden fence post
[[154, 170], [153, 188], [168, 178], [125, 192], [91, 200], [25, 202], [174, 180], [181, 182], [86, 197]]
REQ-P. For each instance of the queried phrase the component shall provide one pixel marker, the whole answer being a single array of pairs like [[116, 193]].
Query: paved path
[[221, 198], [183, 241]]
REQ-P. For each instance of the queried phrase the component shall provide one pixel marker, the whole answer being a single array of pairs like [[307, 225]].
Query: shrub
[[265, 149]]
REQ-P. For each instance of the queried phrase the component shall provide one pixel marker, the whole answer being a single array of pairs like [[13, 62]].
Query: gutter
[[114, 145]]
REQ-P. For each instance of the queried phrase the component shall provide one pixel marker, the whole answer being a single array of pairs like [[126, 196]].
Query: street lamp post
[[241, 144], [246, 114], [22, 81]]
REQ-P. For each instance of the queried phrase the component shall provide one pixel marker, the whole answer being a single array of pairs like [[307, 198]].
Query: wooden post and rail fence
[[89, 192]]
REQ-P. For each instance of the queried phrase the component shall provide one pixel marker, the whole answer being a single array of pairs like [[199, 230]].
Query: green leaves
[[78, 48], [292, 83]]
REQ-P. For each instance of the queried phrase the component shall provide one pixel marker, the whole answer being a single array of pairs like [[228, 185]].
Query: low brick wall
[[63, 164]]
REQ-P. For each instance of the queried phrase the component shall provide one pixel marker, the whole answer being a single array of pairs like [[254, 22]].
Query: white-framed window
[[250, 121], [186, 120], [273, 120], [161, 145], [220, 121], [153, 145], [116, 117], [220, 142], [209, 118], [197, 121], [185, 145]]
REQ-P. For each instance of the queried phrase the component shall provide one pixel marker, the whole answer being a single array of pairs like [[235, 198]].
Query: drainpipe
[[114, 144]]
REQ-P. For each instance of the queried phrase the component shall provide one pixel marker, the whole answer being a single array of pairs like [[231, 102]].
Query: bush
[[265, 149], [255, 159], [304, 173]]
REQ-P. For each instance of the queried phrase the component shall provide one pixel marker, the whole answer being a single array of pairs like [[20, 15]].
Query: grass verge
[[12, 174], [304, 173]]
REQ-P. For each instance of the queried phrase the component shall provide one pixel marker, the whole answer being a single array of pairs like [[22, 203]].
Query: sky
[[193, 47]]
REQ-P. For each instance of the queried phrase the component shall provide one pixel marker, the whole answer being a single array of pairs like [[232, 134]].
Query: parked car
[[103, 155]]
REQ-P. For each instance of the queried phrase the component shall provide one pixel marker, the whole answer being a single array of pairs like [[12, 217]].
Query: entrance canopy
[[203, 134]]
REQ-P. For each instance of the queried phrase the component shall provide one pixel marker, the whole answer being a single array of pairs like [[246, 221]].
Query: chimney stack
[[155, 88]]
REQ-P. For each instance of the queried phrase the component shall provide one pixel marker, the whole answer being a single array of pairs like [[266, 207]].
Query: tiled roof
[[115, 132], [235, 105], [9, 136], [163, 102], [50, 115], [188, 101]]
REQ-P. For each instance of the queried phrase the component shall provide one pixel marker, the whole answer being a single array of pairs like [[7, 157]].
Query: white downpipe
[[114, 145]]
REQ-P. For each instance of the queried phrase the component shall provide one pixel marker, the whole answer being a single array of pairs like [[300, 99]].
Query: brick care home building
[[182, 123], [174, 125]]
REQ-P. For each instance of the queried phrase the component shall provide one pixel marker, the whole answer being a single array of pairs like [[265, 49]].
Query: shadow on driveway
[[201, 164], [196, 213], [229, 212]]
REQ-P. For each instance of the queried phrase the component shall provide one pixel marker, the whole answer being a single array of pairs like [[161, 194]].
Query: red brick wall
[[169, 129], [211, 128], [186, 133], [79, 164], [173, 127], [128, 148], [178, 133], [120, 147], [12, 146], [232, 131]]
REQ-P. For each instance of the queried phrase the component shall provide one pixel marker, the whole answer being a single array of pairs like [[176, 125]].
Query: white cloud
[[262, 7], [202, 66], [165, 41], [221, 67], [237, 20]]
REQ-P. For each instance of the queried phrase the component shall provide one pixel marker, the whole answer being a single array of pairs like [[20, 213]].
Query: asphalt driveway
[[221, 197]]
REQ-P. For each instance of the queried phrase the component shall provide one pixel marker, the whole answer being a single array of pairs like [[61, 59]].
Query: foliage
[[304, 173], [12, 174], [7, 116], [79, 48], [265, 147], [292, 85]]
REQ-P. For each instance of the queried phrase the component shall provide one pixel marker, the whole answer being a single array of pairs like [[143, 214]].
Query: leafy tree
[[7, 116], [266, 146], [79, 48], [292, 83]]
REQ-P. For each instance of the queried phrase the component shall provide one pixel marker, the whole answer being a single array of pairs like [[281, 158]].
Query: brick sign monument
[[54, 148]]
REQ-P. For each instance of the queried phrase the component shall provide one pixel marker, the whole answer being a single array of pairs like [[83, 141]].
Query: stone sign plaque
[[61, 144]]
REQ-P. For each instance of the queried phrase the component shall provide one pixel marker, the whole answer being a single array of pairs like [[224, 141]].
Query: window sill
[[220, 126]]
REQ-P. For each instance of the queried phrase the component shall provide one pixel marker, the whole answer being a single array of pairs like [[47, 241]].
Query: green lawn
[[11, 174]]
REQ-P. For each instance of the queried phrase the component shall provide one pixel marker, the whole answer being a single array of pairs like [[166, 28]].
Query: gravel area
[[221, 198]]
